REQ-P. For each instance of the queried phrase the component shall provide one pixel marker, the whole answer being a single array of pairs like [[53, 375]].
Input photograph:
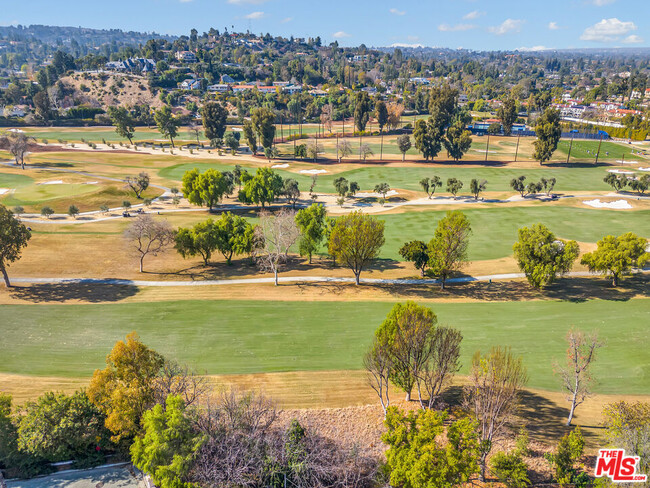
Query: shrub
[[569, 451], [510, 469], [18, 209], [47, 211]]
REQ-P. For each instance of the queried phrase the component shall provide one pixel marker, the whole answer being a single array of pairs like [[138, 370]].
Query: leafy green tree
[[167, 123], [47, 212], [508, 114], [381, 112], [214, 116], [518, 184], [354, 188], [454, 185], [443, 105], [382, 189], [59, 427], [169, 444], [13, 238], [232, 141], [548, 133], [476, 187], [205, 188], [640, 184], [618, 255], [291, 190], [458, 141], [542, 257], [362, 110], [416, 459], [73, 211], [311, 223], [404, 144], [233, 235], [618, 182], [123, 122], [428, 138], [199, 240], [448, 248], [429, 185], [138, 183], [249, 135], [262, 188], [417, 253], [263, 120], [355, 241], [547, 184], [569, 451], [510, 469], [341, 185]]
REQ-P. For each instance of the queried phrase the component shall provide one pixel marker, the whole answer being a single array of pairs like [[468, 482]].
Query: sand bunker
[[618, 204], [376, 195], [643, 169], [620, 161], [4, 190], [285, 165], [91, 183], [54, 182], [620, 171], [15, 130], [312, 171]]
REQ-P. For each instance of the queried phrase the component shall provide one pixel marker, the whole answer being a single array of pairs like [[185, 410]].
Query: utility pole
[[381, 150], [599, 144], [517, 148], [337, 146], [360, 139], [570, 146], [487, 149]]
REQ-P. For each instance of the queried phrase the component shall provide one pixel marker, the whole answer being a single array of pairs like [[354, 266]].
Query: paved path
[[286, 279]]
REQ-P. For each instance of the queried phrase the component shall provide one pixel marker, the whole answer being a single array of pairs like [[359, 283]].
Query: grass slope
[[222, 337]]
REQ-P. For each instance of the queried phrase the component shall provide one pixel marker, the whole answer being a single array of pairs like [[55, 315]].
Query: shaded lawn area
[[222, 337]]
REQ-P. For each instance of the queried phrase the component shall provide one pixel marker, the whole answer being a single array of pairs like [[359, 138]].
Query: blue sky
[[472, 24]]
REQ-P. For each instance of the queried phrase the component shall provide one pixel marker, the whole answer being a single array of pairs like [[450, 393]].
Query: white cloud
[[633, 39], [7, 24], [607, 30], [394, 11], [475, 14], [246, 2], [285, 20], [402, 44], [455, 28], [340, 35], [254, 15], [508, 25], [532, 49], [600, 3], [553, 26]]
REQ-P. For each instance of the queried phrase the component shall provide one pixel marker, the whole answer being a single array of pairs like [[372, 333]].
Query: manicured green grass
[[495, 229], [35, 194], [10, 180], [609, 151], [261, 336], [408, 178]]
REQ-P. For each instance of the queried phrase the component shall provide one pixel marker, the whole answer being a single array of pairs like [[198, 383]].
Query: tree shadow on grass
[[61, 292]]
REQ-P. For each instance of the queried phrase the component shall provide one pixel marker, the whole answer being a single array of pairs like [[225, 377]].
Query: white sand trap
[[618, 204], [312, 171], [15, 130], [376, 195], [620, 171], [644, 169], [483, 151], [285, 165], [91, 183], [4, 190], [53, 182], [620, 161]]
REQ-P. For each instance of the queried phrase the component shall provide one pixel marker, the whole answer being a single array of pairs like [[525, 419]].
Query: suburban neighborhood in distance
[[272, 244]]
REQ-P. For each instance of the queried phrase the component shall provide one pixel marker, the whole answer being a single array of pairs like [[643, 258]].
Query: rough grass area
[[226, 337]]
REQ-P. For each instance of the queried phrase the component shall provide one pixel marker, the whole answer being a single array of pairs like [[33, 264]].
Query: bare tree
[[274, 236], [326, 116], [149, 236], [379, 365], [442, 363], [576, 378], [344, 149], [138, 183], [492, 395], [17, 143], [179, 379], [195, 129]]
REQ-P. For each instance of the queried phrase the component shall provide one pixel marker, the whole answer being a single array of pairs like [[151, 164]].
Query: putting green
[[35, 194], [234, 336]]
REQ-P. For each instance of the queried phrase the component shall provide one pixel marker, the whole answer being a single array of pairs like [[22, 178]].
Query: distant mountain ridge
[[54, 35]]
